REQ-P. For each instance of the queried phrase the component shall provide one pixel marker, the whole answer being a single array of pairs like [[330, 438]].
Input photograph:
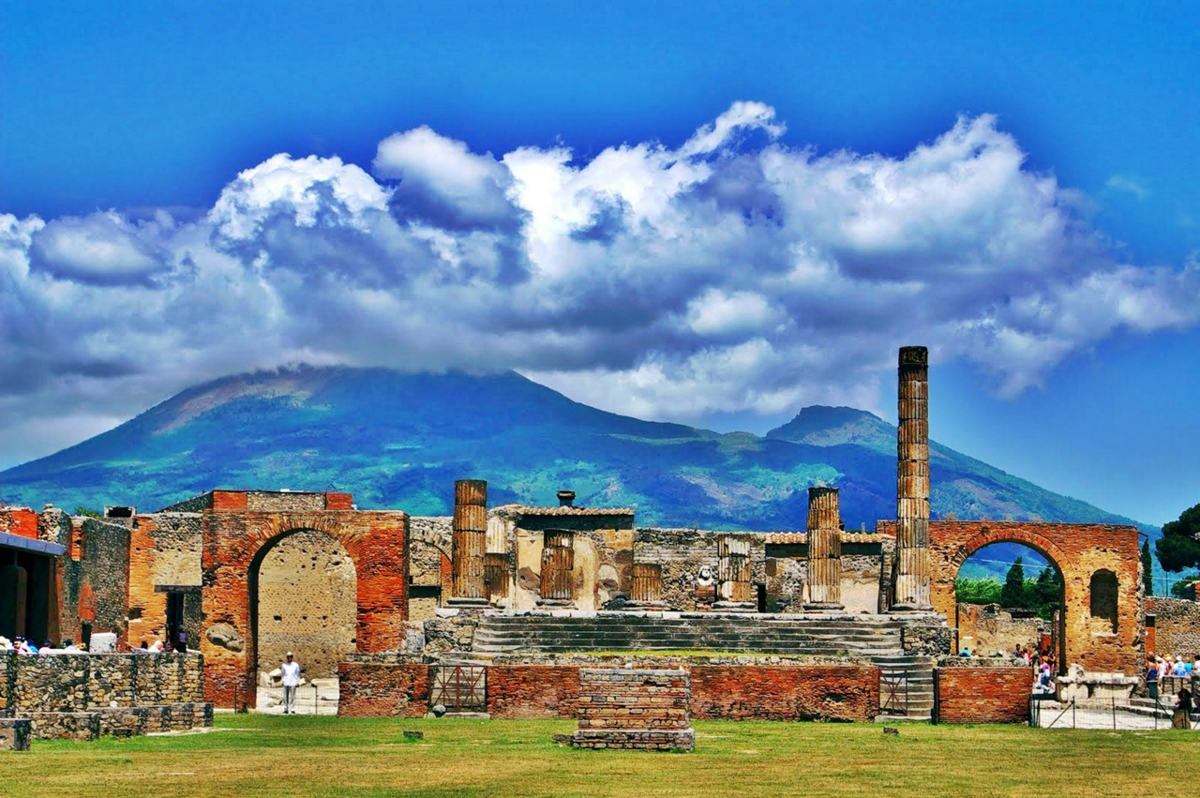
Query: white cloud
[[731, 274], [1129, 185]]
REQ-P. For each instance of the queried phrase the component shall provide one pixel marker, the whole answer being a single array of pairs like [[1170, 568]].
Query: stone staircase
[[1164, 710], [790, 635]]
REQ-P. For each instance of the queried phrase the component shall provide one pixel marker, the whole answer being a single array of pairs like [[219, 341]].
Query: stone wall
[[429, 559], [164, 552], [383, 685], [307, 590], [1177, 626], [816, 692], [689, 563], [986, 630], [786, 572], [532, 691], [641, 709], [79, 682], [981, 694]]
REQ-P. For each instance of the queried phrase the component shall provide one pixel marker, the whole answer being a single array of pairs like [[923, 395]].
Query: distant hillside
[[400, 440]]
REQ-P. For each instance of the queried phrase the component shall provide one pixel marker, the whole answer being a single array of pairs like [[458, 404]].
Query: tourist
[[25, 647], [1180, 669], [5, 644], [1151, 678], [69, 646], [156, 647], [291, 680], [1182, 717]]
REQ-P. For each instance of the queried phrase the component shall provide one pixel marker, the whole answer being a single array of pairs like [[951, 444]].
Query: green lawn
[[275, 755]]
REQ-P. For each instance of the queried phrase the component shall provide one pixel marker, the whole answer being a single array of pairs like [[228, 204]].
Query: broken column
[[469, 543], [647, 586], [734, 588], [911, 583], [824, 550]]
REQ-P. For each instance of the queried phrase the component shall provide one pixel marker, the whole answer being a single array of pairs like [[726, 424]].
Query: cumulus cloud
[[732, 273]]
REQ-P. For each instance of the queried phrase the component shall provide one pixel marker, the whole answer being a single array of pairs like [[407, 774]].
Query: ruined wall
[[689, 563], [634, 709], [1177, 626], [307, 591], [164, 551], [234, 540], [79, 682], [603, 554], [786, 571], [429, 559], [383, 686], [532, 691], [19, 521], [1081, 552], [982, 695], [813, 692], [986, 630]]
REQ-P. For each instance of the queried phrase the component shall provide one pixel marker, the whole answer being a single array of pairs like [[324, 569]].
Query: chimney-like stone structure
[[469, 543], [735, 591], [911, 583], [824, 551]]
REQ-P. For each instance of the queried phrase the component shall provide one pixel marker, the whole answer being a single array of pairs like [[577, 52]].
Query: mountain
[[399, 440]]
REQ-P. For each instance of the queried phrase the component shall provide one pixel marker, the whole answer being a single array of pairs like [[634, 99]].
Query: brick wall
[[19, 521], [383, 686], [982, 695], [532, 691], [816, 692]]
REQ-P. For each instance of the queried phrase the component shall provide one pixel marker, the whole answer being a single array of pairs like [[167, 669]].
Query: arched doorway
[[1010, 594], [303, 599]]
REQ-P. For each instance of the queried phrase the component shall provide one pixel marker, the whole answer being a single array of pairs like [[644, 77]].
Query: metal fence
[[1141, 714]]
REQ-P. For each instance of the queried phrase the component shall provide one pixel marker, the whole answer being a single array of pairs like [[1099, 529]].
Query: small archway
[[303, 599]]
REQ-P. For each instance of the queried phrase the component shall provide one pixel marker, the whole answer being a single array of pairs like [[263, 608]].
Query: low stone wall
[[533, 691], [78, 682], [383, 685], [981, 694], [626, 708], [120, 721], [814, 692]]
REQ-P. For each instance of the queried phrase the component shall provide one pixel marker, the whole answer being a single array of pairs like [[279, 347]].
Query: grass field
[[276, 755]]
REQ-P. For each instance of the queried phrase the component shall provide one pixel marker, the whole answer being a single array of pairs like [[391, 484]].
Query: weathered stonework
[[383, 685], [15, 734], [639, 709], [1177, 626]]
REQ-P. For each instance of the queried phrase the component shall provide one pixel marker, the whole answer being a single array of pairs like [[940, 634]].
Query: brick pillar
[[468, 544], [734, 589], [824, 550], [911, 585]]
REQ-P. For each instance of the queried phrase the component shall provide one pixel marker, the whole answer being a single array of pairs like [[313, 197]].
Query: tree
[[1179, 546], [1013, 592], [84, 511], [1045, 592], [1147, 568], [1183, 588], [977, 591]]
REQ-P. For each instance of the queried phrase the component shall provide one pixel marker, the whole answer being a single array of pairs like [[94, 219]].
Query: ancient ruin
[[512, 611]]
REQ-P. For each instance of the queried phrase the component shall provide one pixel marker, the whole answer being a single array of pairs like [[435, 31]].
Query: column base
[[824, 606], [460, 603], [736, 606], [556, 603], [643, 605], [911, 607]]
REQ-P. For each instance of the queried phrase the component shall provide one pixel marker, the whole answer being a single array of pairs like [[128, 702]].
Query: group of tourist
[[1158, 669], [22, 646]]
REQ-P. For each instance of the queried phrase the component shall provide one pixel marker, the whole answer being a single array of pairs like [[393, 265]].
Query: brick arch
[[234, 542], [988, 536], [1078, 551]]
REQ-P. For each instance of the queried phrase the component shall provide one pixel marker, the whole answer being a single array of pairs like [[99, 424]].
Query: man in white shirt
[[291, 680]]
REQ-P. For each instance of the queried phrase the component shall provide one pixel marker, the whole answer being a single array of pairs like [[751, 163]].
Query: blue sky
[[1023, 173]]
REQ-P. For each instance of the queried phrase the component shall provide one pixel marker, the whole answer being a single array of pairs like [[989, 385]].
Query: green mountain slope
[[400, 440]]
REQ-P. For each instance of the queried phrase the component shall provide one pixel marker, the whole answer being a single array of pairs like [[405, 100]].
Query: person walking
[[1151, 678], [291, 680]]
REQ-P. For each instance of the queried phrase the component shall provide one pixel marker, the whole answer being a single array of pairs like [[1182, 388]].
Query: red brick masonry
[[982, 695]]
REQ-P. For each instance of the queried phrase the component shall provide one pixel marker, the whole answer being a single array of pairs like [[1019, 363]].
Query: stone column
[[911, 585], [734, 588], [647, 586], [468, 543], [824, 551]]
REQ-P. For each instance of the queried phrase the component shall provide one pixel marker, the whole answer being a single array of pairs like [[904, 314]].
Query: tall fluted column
[[911, 585], [824, 550], [735, 591], [468, 543]]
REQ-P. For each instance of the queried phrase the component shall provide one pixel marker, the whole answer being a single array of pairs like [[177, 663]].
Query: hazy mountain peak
[[821, 425]]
